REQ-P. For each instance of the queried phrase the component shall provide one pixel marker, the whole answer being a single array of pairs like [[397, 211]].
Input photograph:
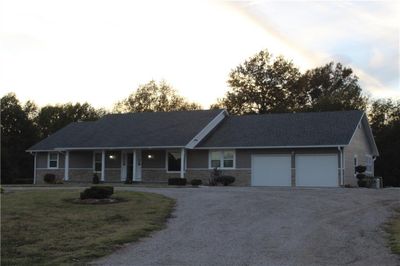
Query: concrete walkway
[[268, 226]]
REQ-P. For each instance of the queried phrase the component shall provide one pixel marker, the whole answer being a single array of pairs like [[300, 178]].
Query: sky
[[100, 51]]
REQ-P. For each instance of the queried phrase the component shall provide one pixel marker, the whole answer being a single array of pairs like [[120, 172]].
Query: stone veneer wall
[[81, 175], [113, 175], [59, 173], [155, 175], [243, 176]]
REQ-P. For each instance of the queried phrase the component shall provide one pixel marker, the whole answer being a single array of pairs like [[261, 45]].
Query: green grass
[[394, 231], [42, 228]]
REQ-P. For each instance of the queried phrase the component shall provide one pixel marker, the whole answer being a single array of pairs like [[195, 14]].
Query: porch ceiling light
[[111, 156], [150, 156]]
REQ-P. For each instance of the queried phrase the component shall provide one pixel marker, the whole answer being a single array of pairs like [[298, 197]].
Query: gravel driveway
[[268, 226]]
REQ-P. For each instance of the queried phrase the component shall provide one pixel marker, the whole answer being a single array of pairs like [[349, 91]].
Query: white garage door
[[317, 170], [271, 170]]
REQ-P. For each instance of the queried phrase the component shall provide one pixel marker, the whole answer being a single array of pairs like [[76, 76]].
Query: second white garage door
[[271, 170], [317, 170]]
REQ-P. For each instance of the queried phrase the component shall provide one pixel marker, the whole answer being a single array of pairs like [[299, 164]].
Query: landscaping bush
[[214, 175], [225, 180], [49, 178], [97, 192], [363, 179], [196, 182], [360, 176], [96, 179], [177, 181], [362, 182], [361, 169]]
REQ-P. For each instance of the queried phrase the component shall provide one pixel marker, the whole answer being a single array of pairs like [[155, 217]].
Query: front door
[[129, 166]]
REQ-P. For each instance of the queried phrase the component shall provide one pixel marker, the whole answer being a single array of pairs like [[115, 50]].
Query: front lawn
[[394, 231], [42, 228]]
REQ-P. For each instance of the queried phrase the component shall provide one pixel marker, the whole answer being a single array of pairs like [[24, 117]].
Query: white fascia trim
[[206, 130], [269, 147], [39, 151], [371, 136], [118, 148], [355, 130], [368, 132]]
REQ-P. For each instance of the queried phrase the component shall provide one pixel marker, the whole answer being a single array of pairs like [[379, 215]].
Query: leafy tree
[[384, 117], [51, 118], [332, 88], [153, 97], [263, 84], [18, 133]]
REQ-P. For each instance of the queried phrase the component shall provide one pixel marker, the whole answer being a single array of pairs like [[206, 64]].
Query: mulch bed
[[97, 201]]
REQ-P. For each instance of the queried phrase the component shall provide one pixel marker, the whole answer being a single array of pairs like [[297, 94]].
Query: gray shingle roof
[[291, 129], [173, 129]]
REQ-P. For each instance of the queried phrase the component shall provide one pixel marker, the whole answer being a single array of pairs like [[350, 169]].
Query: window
[[53, 160], [215, 159], [173, 161], [97, 162], [222, 159], [355, 164], [369, 163]]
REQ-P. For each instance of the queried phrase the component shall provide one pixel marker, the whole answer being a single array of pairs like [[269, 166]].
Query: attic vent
[[195, 140]]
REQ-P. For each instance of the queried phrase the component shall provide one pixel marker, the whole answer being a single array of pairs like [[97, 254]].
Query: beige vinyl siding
[[81, 159], [158, 160], [113, 163], [197, 159], [42, 160], [359, 146]]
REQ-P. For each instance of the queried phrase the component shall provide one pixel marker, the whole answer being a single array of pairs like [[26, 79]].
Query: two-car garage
[[311, 170]]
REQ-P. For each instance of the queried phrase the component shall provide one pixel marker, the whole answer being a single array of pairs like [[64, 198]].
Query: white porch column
[[134, 163], [103, 164], [66, 166], [34, 168], [182, 163]]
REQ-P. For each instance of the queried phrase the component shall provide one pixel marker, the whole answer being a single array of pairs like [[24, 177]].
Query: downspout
[[341, 165]]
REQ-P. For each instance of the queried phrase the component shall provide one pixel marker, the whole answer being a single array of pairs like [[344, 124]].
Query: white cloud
[[100, 51]]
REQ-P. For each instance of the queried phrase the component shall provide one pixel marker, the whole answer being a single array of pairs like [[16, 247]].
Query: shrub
[[225, 180], [1, 190], [361, 169], [96, 179], [360, 176], [196, 182], [214, 175], [367, 182], [49, 178], [177, 181], [97, 192], [362, 183]]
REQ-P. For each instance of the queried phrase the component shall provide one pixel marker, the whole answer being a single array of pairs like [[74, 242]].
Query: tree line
[[261, 84]]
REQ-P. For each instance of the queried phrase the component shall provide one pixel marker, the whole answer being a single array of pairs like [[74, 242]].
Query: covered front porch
[[111, 165], [119, 165]]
